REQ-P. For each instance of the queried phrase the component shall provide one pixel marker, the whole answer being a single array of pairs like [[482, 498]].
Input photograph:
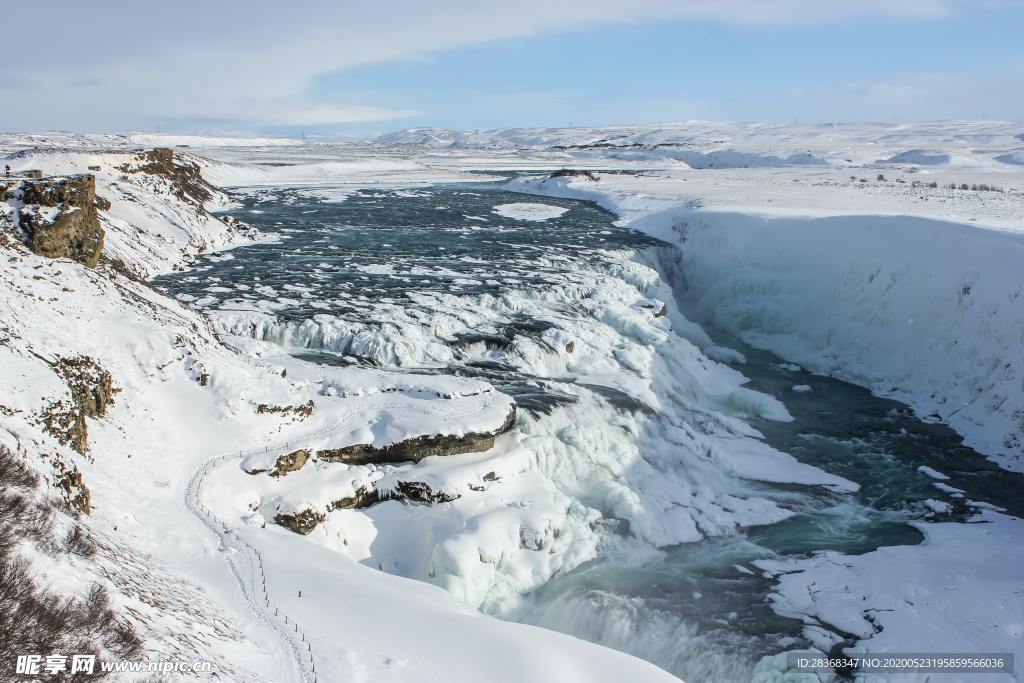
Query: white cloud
[[126, 64]]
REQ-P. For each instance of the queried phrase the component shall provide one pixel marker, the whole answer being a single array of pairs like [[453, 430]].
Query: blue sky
[[345, 67], [661, 70]]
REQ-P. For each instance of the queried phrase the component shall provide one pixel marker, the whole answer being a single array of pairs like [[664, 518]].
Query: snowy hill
[[741, 145], [126, 404]]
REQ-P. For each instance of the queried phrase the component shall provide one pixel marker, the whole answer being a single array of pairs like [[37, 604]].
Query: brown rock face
[[363, 499], [406, 491], [419, 447], [304, 410], [417, 492], [76, 493], [75, 232], [301, 522], [290, 462], [413, 449], [185, 176], [92, 391], [92, 387]]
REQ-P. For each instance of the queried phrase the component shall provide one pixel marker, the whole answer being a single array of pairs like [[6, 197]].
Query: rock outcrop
[[301, 522], [92, 392], [415, 492], [185, 177], [408, 491], [290, 462], [76, 493], [419, 447], [413, 449], [302, 411], [305, 521], [59, 219]]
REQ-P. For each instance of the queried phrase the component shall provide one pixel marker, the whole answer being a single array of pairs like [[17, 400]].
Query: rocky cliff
[[419, 447], [59, 219]]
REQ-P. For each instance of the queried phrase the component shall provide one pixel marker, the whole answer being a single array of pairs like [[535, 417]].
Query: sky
[[339, 67]]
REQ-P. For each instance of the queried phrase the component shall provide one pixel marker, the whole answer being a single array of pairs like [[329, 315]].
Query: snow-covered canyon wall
[[926, 311]]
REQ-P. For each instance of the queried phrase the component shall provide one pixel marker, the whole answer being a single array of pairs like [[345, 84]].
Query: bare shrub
[[23, 518], [34, 619], [79, 542], [15, 472]]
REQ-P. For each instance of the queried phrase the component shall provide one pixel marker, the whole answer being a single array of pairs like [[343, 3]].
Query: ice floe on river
[[526, 211]]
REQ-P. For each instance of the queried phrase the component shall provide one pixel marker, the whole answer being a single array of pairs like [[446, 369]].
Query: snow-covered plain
[[788, 236]]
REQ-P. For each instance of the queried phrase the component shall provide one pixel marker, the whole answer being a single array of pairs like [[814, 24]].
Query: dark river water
[[357, 281]]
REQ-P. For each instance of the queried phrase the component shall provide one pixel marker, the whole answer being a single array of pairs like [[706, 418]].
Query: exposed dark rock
[[417, 492], [92, 391], [290, 462], [413, 449], [571, 172], [363, 498], [304, 410], [92, 386], [185, 177], [75, 232], [204, 379], [663, 312], [76, 493], [301, 522], [102, 203], [406, 491], [419, 447], [570, 347]]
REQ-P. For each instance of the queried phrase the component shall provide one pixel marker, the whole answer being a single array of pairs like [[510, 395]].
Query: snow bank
[[919, 156], [884, 599], [1014, 158]]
